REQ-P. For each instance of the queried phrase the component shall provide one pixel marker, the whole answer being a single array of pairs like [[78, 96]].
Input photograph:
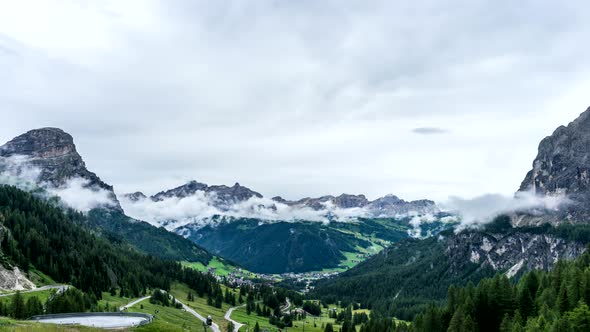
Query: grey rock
[[136, 196], [53, 152], [511, 253], [562, 167], [223, 196], [391, 205]]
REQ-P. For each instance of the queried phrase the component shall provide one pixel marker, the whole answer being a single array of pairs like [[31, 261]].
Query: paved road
[[131, 304], [228, 317], [60, 289], [213, 326], [286, 307]]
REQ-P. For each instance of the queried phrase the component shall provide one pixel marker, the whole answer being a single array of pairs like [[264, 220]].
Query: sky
[[429, 99]]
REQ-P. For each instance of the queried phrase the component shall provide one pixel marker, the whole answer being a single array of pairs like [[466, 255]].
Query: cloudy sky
[[298, 98]]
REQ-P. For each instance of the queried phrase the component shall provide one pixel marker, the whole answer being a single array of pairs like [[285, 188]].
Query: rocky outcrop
[[392, 205], [53, 153], [562, 167], [388, 206], [221, 196], [511, 253], [136, 196], [13, 279]]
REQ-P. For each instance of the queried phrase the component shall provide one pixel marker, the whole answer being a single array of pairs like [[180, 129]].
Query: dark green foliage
[[161, 298], [34, 306], [401, 280], [18, 309], [293, 247], [329, 328], [58, 244], [540, 301], [312, 308], [149, 239], [298, 247], [72, 300]]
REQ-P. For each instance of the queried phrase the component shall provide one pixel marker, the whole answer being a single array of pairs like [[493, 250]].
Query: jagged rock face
[[511, 253], [387, 206], [392, 205], [562, 166], [223, 196], [13, 279], [180, 192], [344, 201], [136, 196], [53, 152]]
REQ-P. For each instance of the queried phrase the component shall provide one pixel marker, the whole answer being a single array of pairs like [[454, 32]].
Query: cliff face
[[562, 167], [510, 253], [53, 152]]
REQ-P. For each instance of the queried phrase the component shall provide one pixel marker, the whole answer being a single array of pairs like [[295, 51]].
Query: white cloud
[[324, 94], [200, 208], [19, 171], [482, 209], [78, 195]]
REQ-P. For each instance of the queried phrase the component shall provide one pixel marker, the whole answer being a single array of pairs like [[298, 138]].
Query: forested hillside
[[406, 277], [540, 301], [56, 242]]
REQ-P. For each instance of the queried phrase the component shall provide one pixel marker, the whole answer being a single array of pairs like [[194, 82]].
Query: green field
[[221, 267], [180, 291], [42, 295], [168, 319], [113, 302], [312, 324]]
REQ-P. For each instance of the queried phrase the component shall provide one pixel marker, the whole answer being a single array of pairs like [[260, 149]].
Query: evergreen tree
[[34, 307], [18, 308], [329, 328]]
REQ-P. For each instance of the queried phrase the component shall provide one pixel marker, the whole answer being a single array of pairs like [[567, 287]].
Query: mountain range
[[275, 235], [405, 277], [48, 159], [265, 235], [223, 197]]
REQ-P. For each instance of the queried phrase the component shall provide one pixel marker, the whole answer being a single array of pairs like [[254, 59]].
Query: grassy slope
[[42, 295], [40, 278], [240, 315], [180, 291], [168, 319], [221, 267], [113, 302]]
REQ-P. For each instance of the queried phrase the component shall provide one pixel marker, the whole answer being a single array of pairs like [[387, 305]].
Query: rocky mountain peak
[[53, 152], [41, 143], [562, 167], [221, 194], [136, 196]]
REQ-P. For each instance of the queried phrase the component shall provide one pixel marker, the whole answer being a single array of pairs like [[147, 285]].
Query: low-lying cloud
[[200, 208], [483, 209], [19, 171], [77, 194]]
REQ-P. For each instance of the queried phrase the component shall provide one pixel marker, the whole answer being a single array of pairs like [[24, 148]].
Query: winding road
[[285, 308], [131, 304], [213, 326], [60, 289], [227, 316]]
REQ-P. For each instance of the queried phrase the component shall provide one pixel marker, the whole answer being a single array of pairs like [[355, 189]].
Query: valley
[[319, 264]]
